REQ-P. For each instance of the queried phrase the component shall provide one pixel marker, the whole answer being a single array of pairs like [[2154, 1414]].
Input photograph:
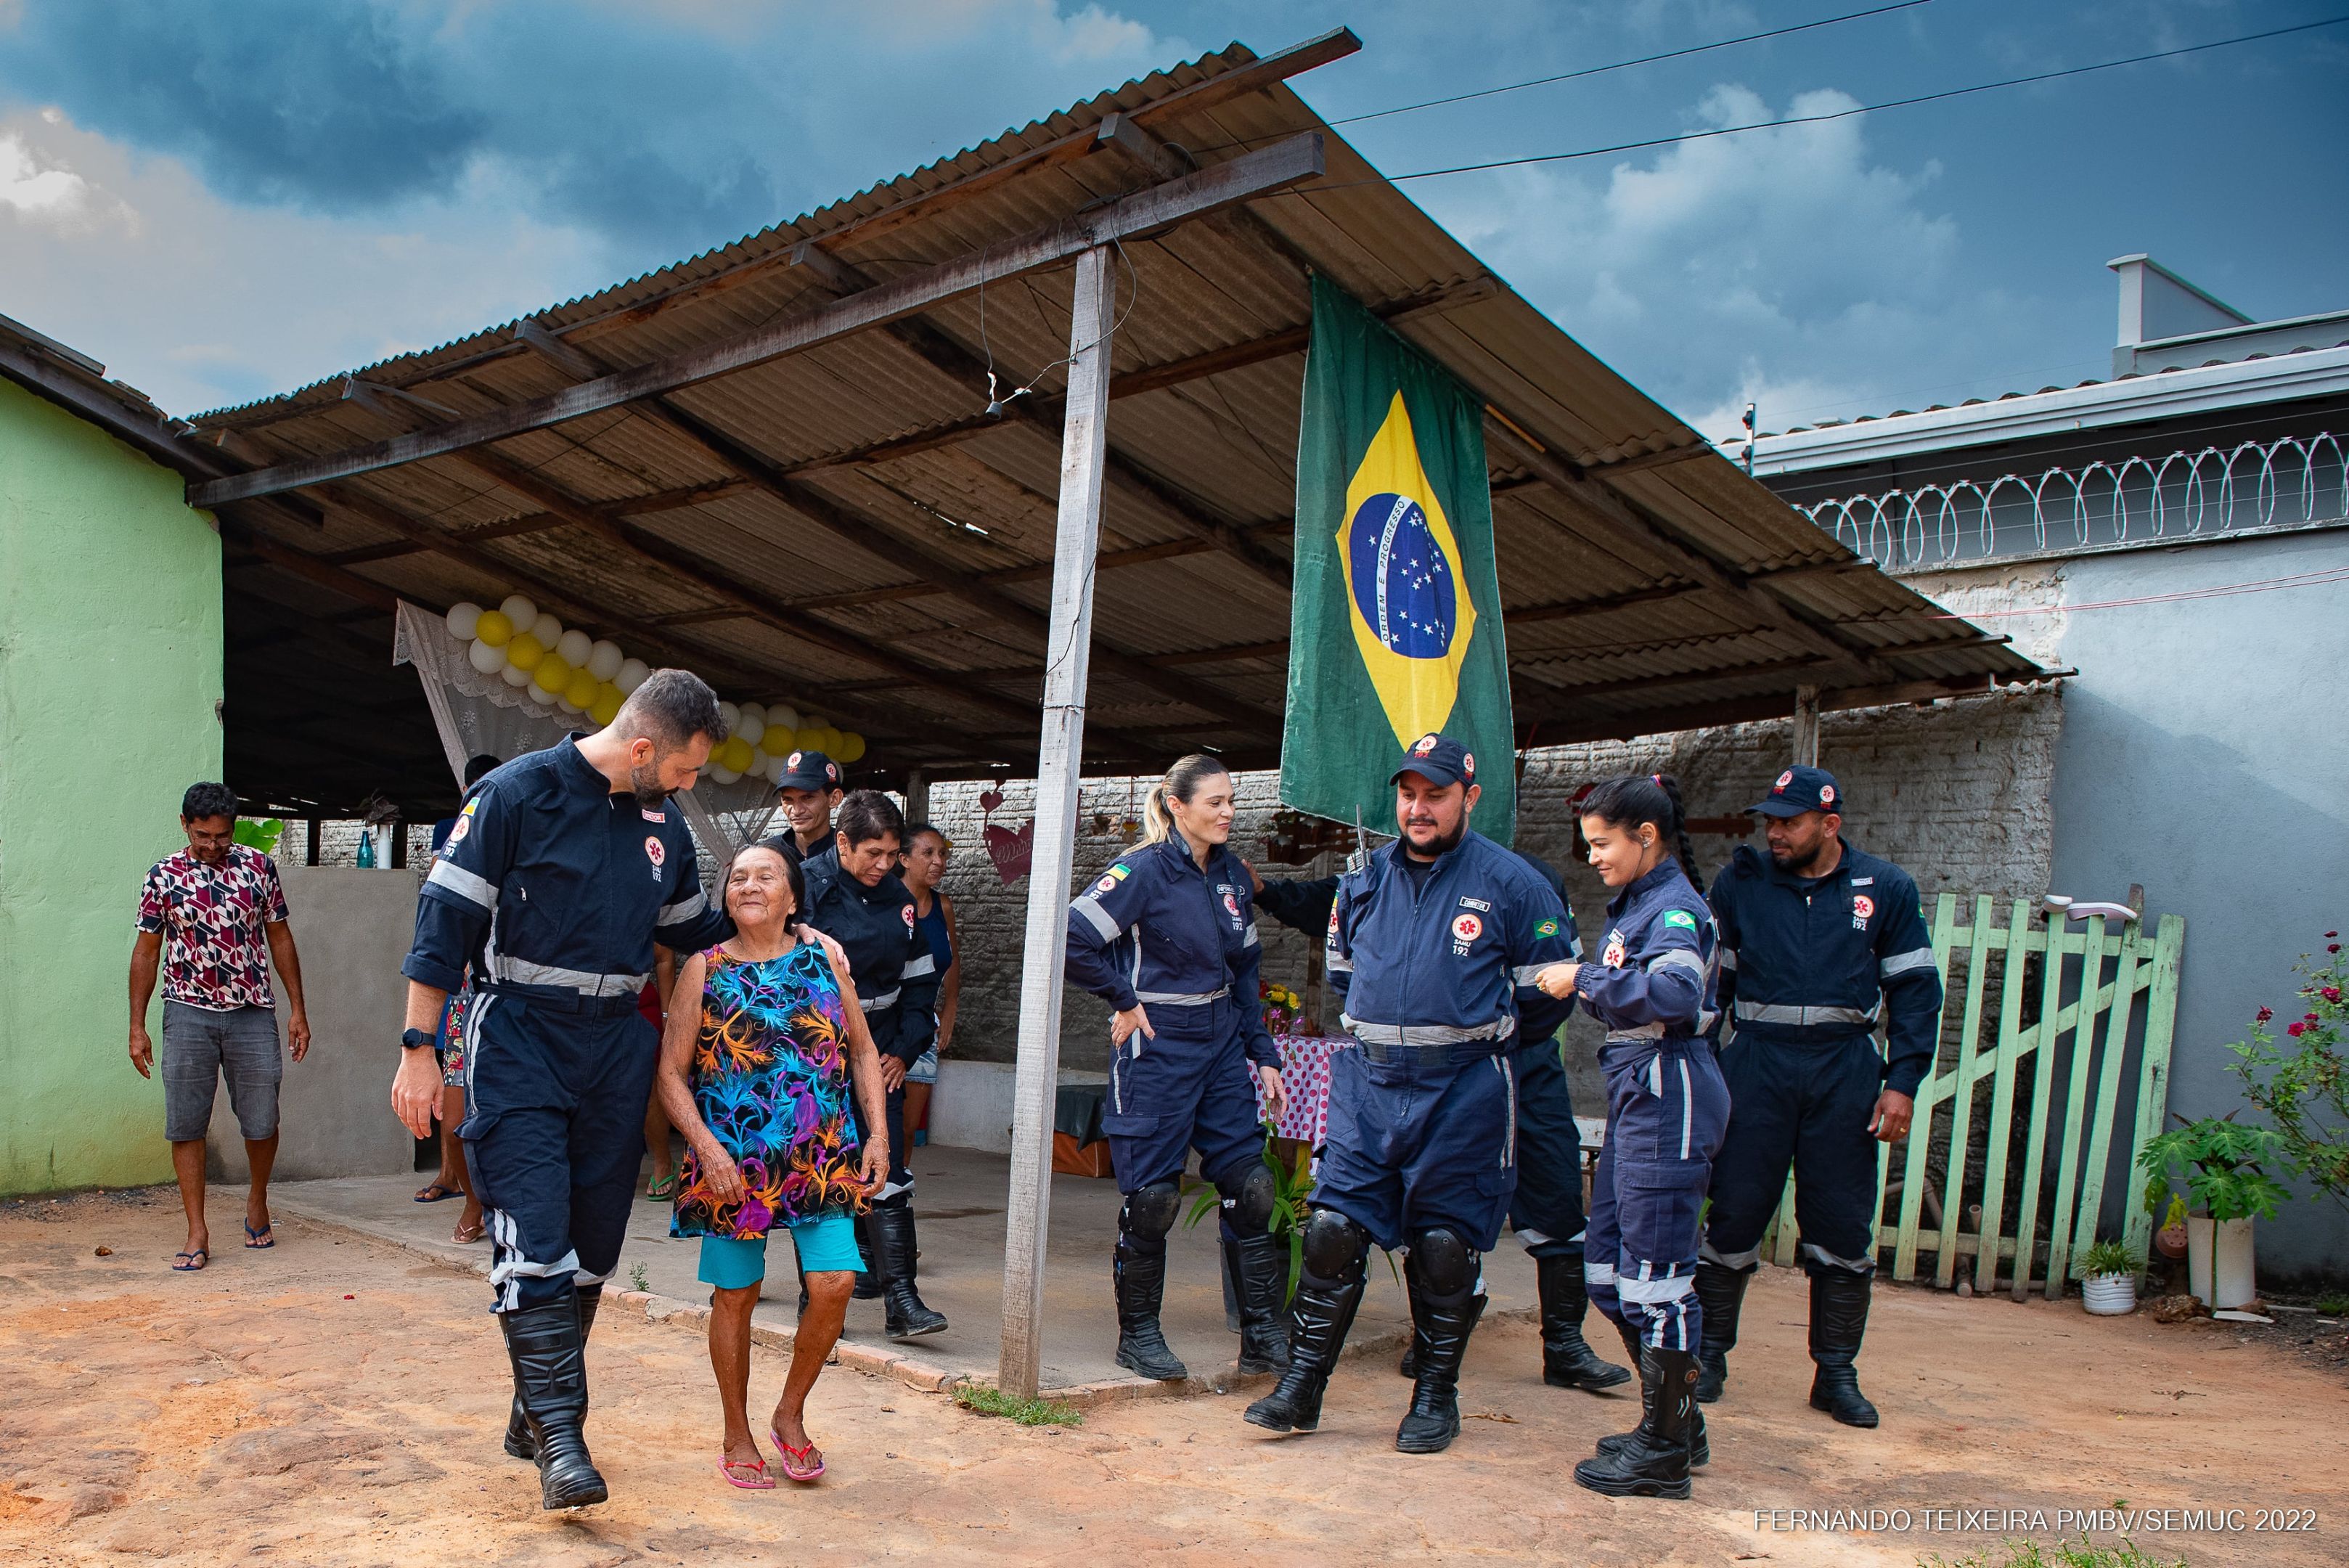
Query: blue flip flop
[[252, 1237], [191, 1263]]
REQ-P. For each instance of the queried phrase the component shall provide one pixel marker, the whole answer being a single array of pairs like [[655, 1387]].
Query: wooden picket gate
[[2024, 1063]]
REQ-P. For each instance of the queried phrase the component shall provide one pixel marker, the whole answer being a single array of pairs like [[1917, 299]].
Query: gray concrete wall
[[352, 928], [2204, 756]]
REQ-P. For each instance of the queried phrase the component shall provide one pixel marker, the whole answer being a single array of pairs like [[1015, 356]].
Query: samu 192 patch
[[1679, 919]]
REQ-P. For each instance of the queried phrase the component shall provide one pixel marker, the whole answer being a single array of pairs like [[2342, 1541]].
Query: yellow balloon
[[852, 746], [581, 689], [607, 706], [524, 651], [830, 744], [551, 674], [494, 628], [735, 753], [780, 741]]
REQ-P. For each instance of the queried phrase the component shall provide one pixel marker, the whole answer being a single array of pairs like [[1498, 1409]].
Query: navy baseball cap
[[810, 770], [1438, 759], [1800, 790]]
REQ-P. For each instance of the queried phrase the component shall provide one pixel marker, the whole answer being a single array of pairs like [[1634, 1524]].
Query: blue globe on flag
[[1402, 585]]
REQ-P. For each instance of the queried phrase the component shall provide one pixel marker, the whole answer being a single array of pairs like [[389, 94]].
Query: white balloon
[[514, 675], [751, 730], [760, 761], [754, 713], [464, 619], [722, 775], [630, 675], [519, 610], [547, 629], [541, 694], [568, 706], [602, 659], [487, 659], [730, 715], [783, 717], [572, 646], [775, 770]]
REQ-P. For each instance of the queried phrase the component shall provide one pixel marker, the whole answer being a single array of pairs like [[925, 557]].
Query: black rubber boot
[[1320, 1318], [868, 1253], [905, 1316], [1721, 1291], [1699, 1446], [1839, 1320], [1138, 1273], [518, 1442], [1567, 1360], [548, 1350], [1441, 1327], [1259, 1267], [1653, 1459]]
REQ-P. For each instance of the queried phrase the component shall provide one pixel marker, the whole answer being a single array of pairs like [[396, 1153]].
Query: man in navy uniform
[[1433, 947], [806, 794], [1820, 943], [563, 870]]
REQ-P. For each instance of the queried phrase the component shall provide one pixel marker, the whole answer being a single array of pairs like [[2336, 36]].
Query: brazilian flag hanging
[[1395, 617]]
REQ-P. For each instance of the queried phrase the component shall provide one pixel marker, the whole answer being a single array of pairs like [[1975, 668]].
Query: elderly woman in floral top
[[756, 1078]]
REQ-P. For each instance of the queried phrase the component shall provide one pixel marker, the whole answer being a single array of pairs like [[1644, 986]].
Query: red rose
[[2332, 993], [2293, 1029], [2334, 948], [2266, 1013]]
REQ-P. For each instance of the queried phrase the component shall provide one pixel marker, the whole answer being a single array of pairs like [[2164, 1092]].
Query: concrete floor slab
[[959, 1200]]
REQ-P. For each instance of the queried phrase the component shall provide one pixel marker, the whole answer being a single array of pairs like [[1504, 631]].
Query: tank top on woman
[[933, 927], [769, 1079]]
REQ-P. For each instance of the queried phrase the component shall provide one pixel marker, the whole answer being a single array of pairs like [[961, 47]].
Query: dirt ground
[[336, 1401]]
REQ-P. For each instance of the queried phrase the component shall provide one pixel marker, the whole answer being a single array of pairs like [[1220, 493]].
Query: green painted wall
[[109, 669]]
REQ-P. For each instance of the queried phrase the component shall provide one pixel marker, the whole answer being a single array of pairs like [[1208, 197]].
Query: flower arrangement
[[1282, 1007]]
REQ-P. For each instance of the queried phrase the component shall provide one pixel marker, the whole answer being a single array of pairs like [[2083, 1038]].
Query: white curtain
[[476, 713]]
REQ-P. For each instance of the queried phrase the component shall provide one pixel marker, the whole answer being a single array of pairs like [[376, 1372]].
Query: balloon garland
[[563, 667]]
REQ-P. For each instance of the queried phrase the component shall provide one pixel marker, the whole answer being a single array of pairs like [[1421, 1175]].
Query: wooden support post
[[1806, 726], [1083, 450], [917, 797], [311, 856], [398, 845]]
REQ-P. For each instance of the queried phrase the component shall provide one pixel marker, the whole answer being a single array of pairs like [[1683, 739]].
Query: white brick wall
[[1956, 792]]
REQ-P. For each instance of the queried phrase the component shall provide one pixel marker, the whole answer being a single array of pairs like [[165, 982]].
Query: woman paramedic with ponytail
[[1652, 988], [1167, 937]]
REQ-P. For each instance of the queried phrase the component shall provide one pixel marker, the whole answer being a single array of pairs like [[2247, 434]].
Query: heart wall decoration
[[1011, 852]]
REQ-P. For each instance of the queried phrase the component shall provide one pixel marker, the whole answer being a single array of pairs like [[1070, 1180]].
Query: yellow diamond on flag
[[1406, 597]]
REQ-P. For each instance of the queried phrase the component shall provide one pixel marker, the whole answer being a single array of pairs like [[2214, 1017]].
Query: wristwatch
[[417, 1040]]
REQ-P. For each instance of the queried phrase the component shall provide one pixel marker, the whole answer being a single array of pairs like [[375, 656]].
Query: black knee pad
[[1334, 1245], [1249, 1197], [1149, 1211], [1445, 1265]]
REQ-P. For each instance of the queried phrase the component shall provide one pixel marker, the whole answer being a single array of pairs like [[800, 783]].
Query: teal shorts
[[826, 1244]]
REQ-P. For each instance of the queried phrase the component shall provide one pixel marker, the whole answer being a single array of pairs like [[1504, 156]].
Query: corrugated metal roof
[[1637, 597]]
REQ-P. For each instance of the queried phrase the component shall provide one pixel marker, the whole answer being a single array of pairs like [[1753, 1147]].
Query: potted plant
[[2223, 1164], [2108, 1279], [2170, 1239]]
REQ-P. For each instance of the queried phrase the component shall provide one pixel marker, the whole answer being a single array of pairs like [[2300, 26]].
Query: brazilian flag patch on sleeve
[[1681, 919], [1547, 928]]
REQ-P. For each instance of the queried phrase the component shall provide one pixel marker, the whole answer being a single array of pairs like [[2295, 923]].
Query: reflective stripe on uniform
[[1688, 1109], [1728, 957], [1417, 1035], [1338, 963], [1679, 957], [1645, 1293], [464, 883], [1095, 916], [1597, 1272], [1901, 964], [1525, 972], [1637, 1031], [683, 909], [1745, 1259], [1829, 1259], [1182, 998], [521, 971], [917, 967], [1778, 1012], [1251, 940], [882, 1003]]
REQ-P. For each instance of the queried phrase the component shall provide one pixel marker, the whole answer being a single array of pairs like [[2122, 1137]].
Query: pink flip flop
[[799, 1464], [758, 1481]]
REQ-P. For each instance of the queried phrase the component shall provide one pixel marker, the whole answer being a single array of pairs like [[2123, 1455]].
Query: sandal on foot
[[262, 1239], [189, 1262], [662, 1189], [757, 1469], [799, 1464], [438, 1192], [466, 1235]]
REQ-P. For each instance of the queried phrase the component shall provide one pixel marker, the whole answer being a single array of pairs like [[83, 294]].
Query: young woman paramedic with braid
[[1652, 987]]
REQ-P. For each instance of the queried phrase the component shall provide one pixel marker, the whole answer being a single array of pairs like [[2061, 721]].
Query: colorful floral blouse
[[770, 1078]]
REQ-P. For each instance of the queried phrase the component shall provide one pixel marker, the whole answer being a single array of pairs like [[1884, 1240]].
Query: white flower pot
[[2220, 1261], [2109, 1295]]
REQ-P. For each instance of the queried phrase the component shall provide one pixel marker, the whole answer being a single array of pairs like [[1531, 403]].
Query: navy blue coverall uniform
[[557, 888], [1162, 931], [1810, 967], [896, 981], [1652, 987]]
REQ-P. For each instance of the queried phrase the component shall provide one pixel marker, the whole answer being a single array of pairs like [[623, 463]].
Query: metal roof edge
[[2163, 394]]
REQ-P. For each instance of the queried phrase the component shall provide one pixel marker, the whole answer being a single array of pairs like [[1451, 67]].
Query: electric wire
[[2219, 591]]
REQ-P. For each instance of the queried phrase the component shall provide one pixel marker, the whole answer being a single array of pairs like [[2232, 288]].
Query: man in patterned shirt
[[214, 914]]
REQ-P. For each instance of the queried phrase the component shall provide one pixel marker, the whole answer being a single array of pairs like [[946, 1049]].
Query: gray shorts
[[201, 1047]]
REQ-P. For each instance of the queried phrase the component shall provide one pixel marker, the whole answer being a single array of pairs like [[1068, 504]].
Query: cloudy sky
[[224, 201]]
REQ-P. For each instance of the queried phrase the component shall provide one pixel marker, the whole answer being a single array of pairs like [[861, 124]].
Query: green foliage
[[2301, 1083], [2107, 1258], [2223, 1164], [261, 835], [639, 1279], [2062, 1554], [1292, 1186], [982, 1399], [2334, 1303]]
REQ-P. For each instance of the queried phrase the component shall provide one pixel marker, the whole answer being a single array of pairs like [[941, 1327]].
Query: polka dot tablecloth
[[1305, 1075]]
